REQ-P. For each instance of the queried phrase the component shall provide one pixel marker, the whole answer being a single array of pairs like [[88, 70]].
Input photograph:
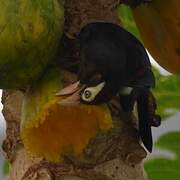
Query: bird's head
[[91, 94], [94, 91]]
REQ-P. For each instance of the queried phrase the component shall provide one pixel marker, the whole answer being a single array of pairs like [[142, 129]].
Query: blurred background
[[164, 162]]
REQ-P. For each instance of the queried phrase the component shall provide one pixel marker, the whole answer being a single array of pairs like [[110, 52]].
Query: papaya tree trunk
[[115, 155]]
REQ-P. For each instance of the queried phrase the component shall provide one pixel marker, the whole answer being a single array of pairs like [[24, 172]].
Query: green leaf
[[167, 93], [165, 169], [127, 20]]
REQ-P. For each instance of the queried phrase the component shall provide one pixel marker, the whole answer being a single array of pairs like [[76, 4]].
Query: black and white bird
[[114, 63]]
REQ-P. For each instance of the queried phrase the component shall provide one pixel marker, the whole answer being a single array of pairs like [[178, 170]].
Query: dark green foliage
[[166, 169]]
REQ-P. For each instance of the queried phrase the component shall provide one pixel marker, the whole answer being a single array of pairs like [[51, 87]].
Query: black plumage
[[112, 55], [116, 54]]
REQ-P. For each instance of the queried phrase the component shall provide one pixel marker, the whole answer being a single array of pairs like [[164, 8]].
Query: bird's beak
[[71, 94]]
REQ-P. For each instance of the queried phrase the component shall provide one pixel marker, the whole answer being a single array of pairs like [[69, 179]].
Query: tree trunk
[[115, 155]]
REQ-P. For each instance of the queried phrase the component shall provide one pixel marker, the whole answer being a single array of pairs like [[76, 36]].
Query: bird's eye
[[90, 93], [87, 94]]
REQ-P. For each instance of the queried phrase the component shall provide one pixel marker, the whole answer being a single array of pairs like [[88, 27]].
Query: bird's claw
[[156, 121]]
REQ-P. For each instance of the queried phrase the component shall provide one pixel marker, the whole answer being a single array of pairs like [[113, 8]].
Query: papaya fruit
[[50, 130], [30, 31], [159, 25]]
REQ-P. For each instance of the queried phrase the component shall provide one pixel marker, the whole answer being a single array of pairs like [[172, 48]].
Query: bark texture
[[115, 155]]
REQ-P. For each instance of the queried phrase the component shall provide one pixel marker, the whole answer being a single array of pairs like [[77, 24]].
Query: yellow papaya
[[51, 130], [30, 31], [159, 25]]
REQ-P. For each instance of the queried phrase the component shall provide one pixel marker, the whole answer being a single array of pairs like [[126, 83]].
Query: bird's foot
[[156, 121]]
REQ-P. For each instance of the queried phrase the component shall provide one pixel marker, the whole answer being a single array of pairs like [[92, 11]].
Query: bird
[[113, 62]]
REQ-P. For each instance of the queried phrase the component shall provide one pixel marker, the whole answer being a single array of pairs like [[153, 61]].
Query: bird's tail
[[144, 118]]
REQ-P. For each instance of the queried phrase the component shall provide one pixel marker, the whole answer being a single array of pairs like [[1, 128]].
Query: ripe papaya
[[159, 25], [51, 130], [29, 34]]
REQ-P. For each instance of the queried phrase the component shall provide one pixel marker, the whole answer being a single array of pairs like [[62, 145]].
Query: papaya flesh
[[159, 25], [50, 130], [29, 34]]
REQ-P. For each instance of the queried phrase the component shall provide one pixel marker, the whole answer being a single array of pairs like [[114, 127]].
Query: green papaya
[[51, 130], [30, 31]]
